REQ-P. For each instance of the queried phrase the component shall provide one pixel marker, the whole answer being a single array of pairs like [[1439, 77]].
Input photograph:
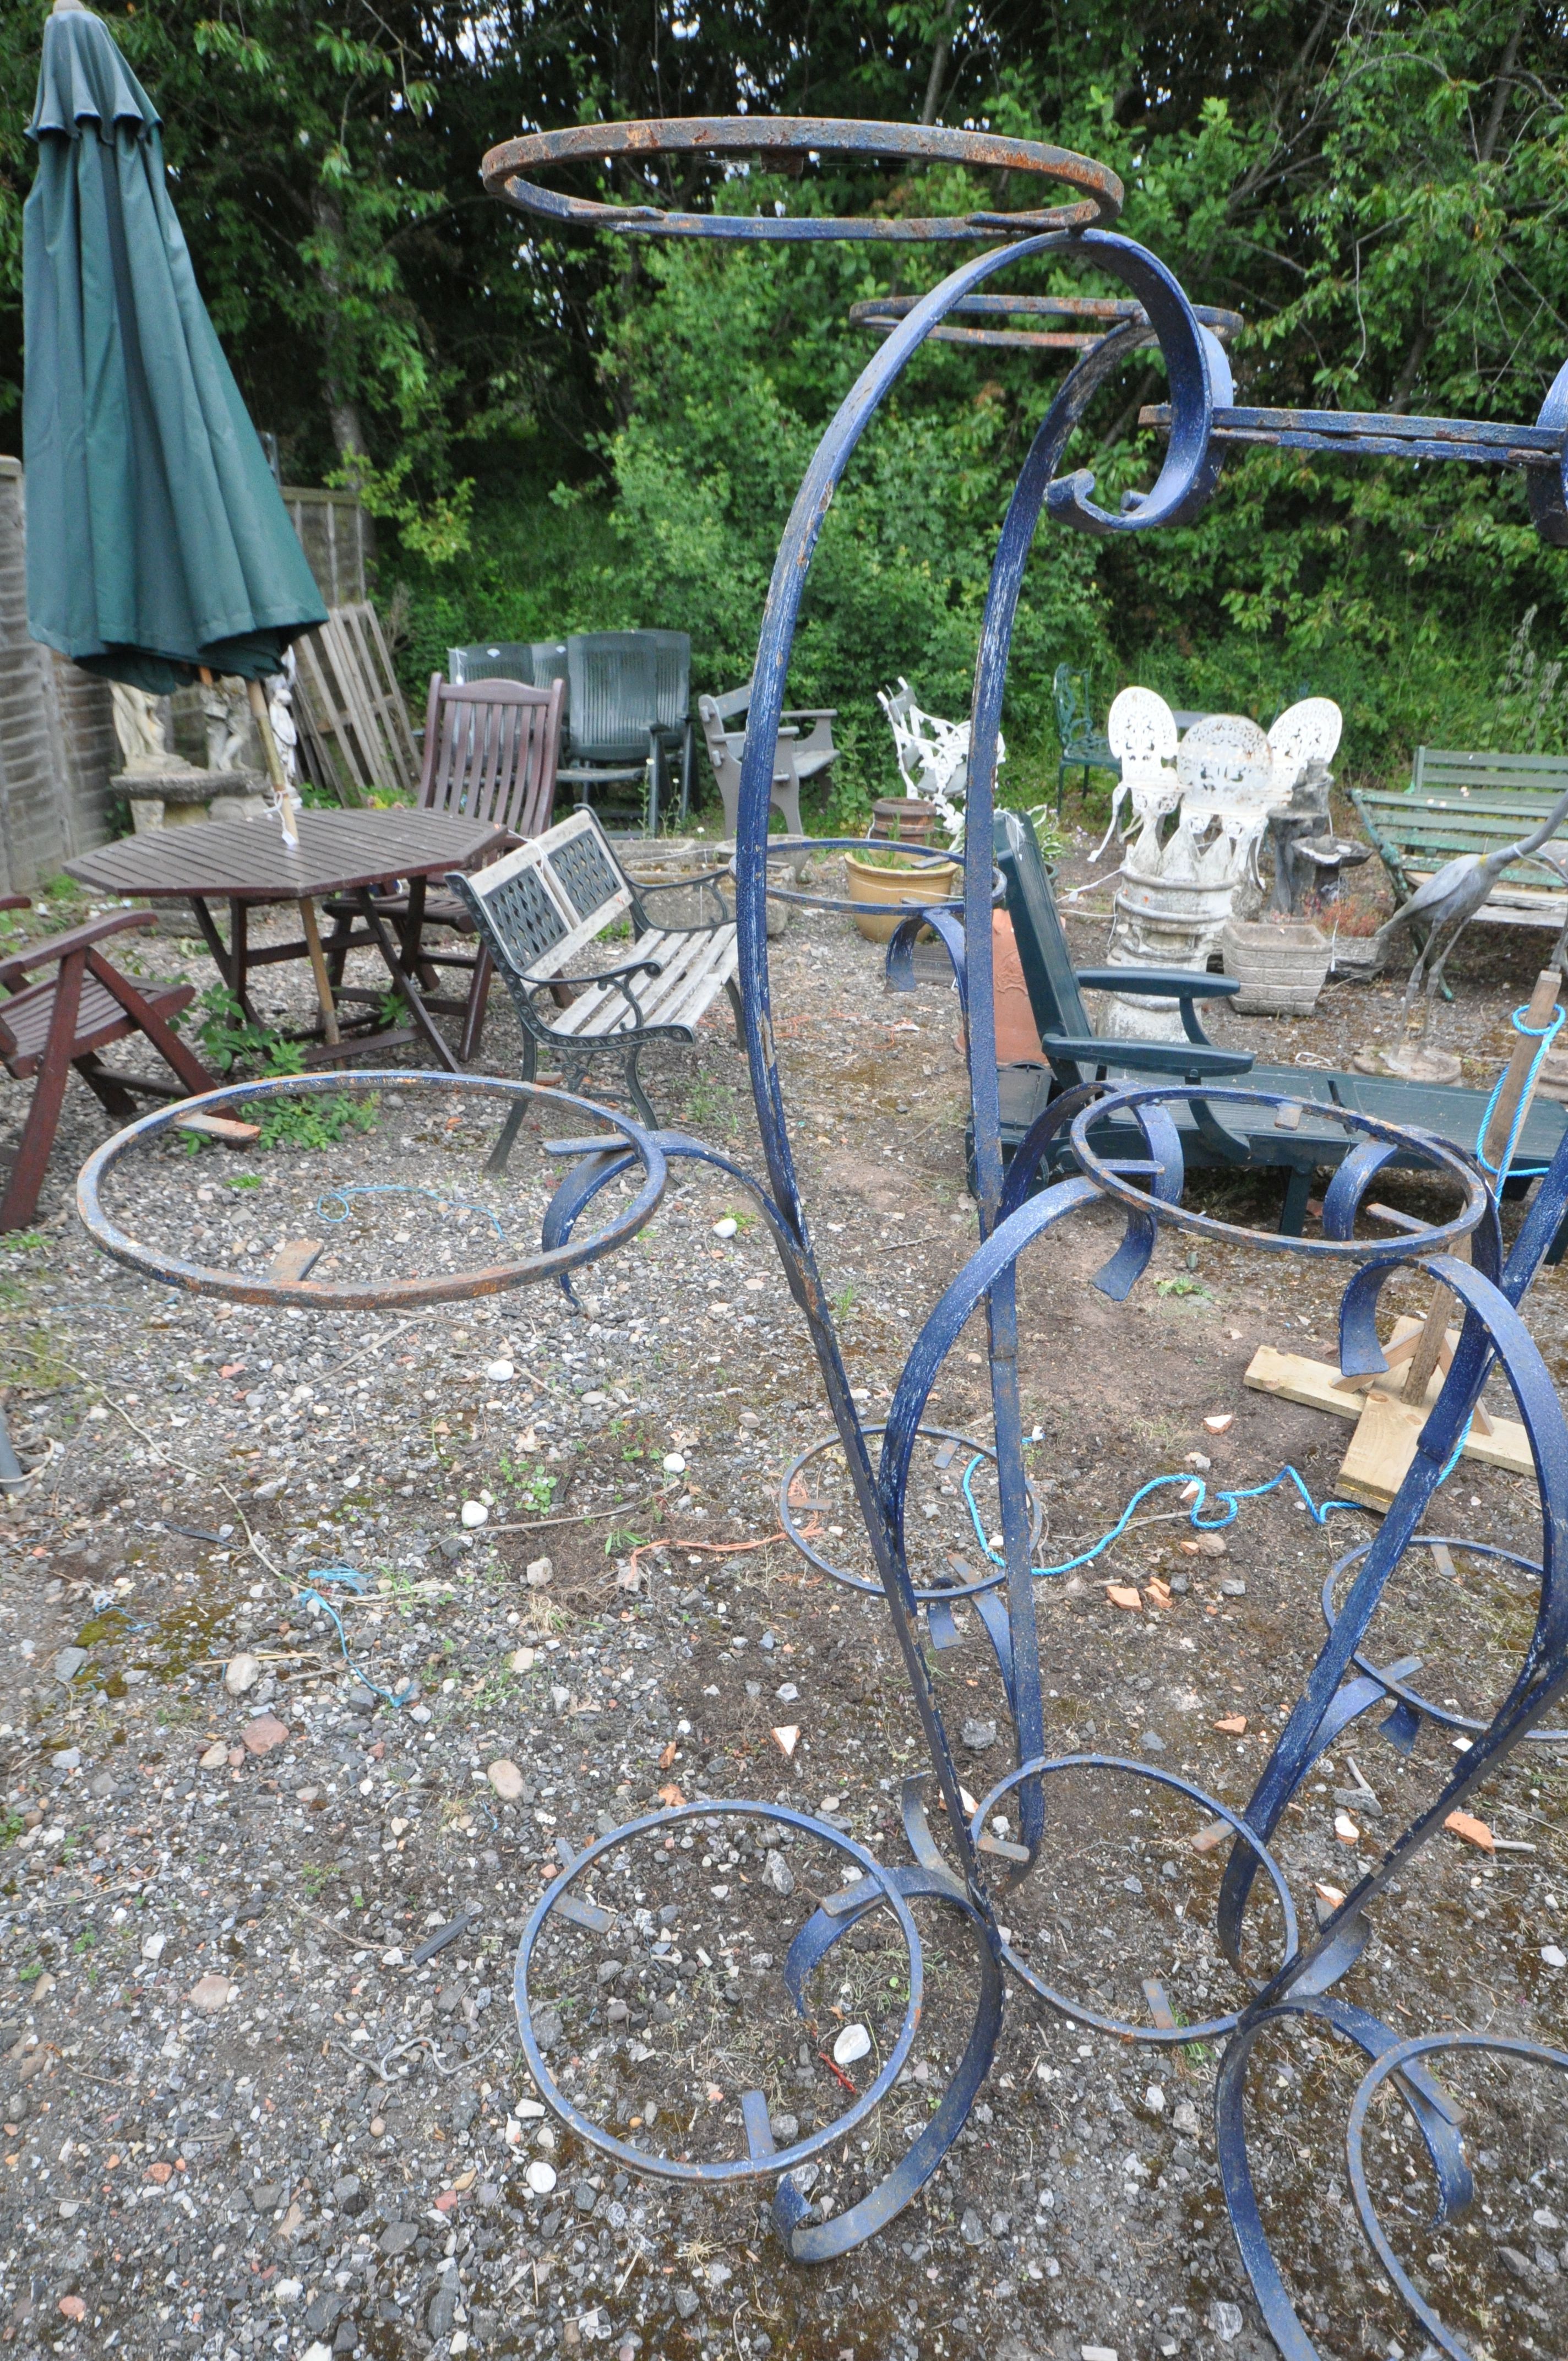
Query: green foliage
[[314, 1123], [562, 432]]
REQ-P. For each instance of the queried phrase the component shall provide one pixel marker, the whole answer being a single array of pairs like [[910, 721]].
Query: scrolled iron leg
[[824, 2242]]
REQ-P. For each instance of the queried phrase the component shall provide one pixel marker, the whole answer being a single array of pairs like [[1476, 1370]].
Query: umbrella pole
[[274, 761], [286, 809]]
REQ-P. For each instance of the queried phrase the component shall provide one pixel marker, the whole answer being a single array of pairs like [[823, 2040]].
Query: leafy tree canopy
[[574, 430]]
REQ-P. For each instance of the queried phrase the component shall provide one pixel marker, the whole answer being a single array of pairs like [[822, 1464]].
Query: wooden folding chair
[[64, 1021], [492, 749]]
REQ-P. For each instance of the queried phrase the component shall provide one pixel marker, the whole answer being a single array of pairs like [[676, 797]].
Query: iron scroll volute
[[1199, 379]]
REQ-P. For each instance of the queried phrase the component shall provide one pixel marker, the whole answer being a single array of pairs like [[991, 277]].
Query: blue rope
[[395, 1189], [351, 1580], [1204, 1525], [1543, 1036]]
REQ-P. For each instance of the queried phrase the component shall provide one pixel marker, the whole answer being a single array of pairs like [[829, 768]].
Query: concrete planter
[[1280, 967]]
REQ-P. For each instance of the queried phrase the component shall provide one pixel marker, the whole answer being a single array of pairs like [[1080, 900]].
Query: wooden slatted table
[[346, 854]]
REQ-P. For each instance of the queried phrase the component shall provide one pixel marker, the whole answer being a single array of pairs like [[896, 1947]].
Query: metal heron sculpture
[[1444, 903]]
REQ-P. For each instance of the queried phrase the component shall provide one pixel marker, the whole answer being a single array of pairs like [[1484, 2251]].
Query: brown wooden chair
[[491, 752], [47, 1028]]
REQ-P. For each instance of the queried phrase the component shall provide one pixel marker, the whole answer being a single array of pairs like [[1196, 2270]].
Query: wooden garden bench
[[1458, 803], [547, 911]]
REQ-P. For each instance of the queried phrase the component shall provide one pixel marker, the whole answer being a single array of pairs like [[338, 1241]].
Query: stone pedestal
[[176, 794]]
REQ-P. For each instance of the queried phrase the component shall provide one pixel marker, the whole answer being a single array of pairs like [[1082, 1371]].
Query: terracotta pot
[[908, 819], [1018, 1036], [923, 880]]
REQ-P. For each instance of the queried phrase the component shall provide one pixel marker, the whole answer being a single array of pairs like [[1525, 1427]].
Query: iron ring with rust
[[882, 314], [1442, 1717], [945, 1593], [495, 1278], [762, 2157], [1215, 2028], [1439, 1237], [778, 142]]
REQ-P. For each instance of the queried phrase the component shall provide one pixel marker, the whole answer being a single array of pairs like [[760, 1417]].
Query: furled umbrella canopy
[[157, 542]]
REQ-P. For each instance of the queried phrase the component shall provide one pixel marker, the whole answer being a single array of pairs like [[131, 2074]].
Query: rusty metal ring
[[495, 1278], [779, 137], [948, 1594], [763, 2158], [882, 314]]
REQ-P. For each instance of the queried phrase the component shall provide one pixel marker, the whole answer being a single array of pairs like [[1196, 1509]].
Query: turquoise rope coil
[[1543, 1036], [1233, 1498], [351, 1580]]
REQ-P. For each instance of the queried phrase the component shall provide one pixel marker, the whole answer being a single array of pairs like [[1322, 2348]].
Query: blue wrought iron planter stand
[[978, 1868]]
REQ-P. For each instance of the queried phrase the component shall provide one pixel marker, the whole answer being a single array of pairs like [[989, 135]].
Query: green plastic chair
[[1082, 746]]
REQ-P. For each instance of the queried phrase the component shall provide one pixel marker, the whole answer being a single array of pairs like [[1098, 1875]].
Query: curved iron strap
[[764, 714], [1394, 1680], [1400, 2063], [1428, 2104], [383, 1294], [761, 2157], [1037, 1772], [784, 136], [825, 2241], [1491, 1327], [601, 1166]]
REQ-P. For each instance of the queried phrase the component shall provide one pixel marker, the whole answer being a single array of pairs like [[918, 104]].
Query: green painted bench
[[1458, 803]]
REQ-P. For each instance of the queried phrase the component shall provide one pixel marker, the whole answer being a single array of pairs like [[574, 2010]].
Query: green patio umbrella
[[157, 542]]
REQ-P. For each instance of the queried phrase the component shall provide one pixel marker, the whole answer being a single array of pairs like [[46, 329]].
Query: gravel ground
[[259, 2080]]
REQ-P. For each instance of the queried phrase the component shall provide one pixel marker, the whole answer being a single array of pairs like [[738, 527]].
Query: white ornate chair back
[[1306, 731], [1141, 731]]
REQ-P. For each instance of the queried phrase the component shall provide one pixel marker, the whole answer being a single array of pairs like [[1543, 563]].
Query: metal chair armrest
[[1162, 984]]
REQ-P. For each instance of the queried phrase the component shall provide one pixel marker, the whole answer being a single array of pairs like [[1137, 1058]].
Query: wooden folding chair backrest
[[1054, 995], [492, 749]]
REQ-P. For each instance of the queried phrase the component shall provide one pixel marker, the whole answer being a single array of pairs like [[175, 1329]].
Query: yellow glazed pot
[[903, 888]]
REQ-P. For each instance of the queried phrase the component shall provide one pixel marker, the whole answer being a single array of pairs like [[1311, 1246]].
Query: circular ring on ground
[[774, 141], [1441, 1715], [776, 2161], [1406, 2053], [951, 1595], [1407, 1245], [1214, 2028], [882, 314], [495, 1278]]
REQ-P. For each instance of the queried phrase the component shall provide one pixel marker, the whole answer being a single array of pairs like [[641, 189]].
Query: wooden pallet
[[355, 737]]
